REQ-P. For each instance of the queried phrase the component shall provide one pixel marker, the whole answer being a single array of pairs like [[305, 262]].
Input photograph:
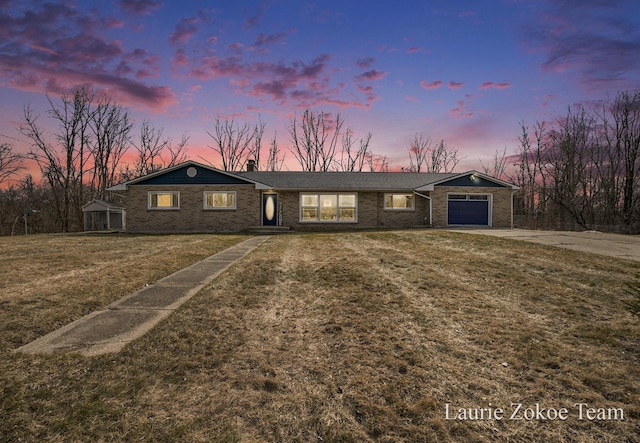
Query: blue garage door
[[468, 210]]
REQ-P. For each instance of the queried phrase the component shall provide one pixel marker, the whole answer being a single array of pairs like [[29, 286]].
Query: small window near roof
[[219, 200], [398, 201], [164, 200]]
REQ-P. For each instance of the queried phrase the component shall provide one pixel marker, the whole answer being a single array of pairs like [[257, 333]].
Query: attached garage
[[469, 209]]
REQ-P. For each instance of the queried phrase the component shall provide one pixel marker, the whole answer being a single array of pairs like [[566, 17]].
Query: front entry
[[269, 209]]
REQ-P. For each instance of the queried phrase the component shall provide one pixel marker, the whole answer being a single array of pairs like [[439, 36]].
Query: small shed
[[100, 215]]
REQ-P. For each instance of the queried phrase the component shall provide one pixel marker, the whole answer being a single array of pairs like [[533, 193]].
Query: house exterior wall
[[191, 216], [501, 204], [371, 213]]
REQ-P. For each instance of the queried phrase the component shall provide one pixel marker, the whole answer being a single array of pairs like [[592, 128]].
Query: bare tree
[[443, 159], [314, 139], [63, 165], [378, 163], [626, 115], [499, 165], [155, 152], [235, 143], [10, 162], [424, 156], [274, 160], [111, 137], [419, 150], [353, 159], [256, 144]]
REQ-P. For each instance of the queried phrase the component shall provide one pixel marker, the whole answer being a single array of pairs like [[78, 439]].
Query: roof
[[329, 181], [196, 178], [351, 181], [101, 205]]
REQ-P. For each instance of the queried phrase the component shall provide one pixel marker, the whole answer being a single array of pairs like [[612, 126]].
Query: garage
[[468, 209]]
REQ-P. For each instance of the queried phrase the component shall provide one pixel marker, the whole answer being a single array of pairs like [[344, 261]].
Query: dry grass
[[49, 280], [354, 337]]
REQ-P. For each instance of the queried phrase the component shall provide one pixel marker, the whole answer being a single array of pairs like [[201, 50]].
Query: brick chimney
[[251, 165]]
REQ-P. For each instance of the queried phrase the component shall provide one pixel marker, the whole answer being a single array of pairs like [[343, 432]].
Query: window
[[329, 208], [219, 200], [468, 197], [164, 200], [398, 201]]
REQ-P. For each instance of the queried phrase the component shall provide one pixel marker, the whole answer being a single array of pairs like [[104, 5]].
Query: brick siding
[[192, 217]]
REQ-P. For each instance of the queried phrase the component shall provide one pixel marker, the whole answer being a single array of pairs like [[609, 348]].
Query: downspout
[[430, 206]]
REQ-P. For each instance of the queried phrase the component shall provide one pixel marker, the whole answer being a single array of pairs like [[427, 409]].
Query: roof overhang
[[124, 186], [472, 174]]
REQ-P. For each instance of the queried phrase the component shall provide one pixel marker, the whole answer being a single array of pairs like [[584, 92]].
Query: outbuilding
[[101, 215]]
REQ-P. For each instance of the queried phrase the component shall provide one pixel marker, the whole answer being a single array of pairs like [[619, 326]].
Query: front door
[[269, 209]]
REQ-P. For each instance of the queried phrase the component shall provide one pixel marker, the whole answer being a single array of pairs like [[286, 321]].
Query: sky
[[466, 72]]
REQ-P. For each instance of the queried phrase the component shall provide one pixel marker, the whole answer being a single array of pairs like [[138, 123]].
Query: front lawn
[[373, 336]]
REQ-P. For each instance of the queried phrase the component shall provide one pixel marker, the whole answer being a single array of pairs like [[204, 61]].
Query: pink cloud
[[489, 85], [365, 63], [372, 75], [298, 81], [461, 111], [139, 6], [411, 98], [592, 40], [413, 50], [186, 29], [455, 85], [56, 48], [269, 39], [433, 85]]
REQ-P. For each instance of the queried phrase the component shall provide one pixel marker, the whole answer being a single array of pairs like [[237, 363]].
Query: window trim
[[337, 196], [387, 208], [484, 197], [219, 208], [163, 208]]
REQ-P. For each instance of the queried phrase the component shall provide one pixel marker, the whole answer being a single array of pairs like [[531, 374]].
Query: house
[[100, 215], [192, 197]]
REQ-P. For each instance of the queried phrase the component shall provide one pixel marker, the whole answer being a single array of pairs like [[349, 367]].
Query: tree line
[[582, 170], [579, 171]]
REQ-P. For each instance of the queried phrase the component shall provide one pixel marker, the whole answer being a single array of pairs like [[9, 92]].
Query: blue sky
[[466, 72]]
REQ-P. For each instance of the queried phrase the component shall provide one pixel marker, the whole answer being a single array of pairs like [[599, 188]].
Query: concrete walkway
[[109, 330], [613, 245]]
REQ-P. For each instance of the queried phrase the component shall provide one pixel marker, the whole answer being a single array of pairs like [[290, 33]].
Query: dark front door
[[269, 209]]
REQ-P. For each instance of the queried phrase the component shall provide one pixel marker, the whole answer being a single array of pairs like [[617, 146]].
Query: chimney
[[251, 165]]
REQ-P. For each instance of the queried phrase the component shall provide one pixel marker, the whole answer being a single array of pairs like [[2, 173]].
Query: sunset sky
[[466, 72]]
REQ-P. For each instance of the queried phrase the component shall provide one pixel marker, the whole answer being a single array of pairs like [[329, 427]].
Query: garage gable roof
[[188, 173], [474, 178]]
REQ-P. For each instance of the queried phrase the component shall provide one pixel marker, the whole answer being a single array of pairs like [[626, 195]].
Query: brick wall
[[192, 217], [371, 214]]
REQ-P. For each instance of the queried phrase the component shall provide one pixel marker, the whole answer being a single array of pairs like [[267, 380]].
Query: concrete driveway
[[614, 245]]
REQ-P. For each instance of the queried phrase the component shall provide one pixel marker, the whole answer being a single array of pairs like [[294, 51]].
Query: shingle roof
[[351, 181]]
